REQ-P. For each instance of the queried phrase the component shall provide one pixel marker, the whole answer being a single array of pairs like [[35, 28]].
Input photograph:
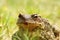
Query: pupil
[[35, 16]]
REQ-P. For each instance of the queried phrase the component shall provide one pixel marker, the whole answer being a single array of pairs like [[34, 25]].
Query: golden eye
[[34, 16]]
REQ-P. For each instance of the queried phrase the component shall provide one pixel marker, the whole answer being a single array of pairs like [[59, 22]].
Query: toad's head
[[29, 22]]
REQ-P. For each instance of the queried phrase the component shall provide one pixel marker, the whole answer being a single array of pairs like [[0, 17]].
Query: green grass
[[9, 10]]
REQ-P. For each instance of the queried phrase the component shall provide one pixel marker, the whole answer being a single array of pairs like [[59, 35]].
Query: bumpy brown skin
[[35, 25]]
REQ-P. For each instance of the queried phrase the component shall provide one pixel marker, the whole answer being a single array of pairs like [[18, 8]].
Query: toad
[[34, 27]]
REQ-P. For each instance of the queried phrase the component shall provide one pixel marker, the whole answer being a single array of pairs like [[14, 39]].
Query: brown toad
[[33, 27]]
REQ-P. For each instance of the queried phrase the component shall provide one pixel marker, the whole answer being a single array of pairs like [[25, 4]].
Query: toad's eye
[[21, 17], [34, 16]]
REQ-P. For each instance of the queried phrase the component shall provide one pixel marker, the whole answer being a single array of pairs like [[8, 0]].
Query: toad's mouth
[[29, 25]]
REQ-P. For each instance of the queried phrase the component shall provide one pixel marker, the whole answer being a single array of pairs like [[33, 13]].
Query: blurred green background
[[9, 10]]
